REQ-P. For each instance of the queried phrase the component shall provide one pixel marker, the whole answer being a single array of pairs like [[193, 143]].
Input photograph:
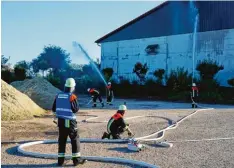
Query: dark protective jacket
[[94, 92], [115, 123]]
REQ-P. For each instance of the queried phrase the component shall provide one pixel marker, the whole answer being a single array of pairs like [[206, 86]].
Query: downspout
[[167, 53]]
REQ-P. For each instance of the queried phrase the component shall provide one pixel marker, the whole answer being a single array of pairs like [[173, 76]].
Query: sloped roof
[[132, 22]]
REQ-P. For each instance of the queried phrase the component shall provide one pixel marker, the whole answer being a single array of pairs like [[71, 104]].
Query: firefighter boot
[[61, 161], [94, 105], [78, 160], [193, 105], [105, 135]]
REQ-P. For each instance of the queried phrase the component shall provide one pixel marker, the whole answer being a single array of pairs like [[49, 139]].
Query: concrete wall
[[174, 51]]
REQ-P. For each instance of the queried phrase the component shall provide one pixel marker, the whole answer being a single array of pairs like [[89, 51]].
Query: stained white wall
[[174, 51]]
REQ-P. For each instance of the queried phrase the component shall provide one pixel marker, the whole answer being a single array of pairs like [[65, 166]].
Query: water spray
[[194, 43], [195, 11], [76, 44]]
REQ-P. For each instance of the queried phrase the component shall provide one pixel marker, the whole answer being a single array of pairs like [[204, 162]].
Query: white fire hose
[[111, 159]]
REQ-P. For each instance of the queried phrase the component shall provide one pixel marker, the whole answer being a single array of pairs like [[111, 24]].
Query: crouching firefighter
[[110, 94], [95, 95], [194, 95], [116, 125], [65, 106]]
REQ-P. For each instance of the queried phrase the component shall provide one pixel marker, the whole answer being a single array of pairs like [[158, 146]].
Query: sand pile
[[16, 105], [39, 90]]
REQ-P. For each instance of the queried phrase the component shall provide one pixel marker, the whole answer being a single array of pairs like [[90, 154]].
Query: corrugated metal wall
[[177, 17]]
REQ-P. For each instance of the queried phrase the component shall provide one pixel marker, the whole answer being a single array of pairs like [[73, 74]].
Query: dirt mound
[[16, 105], [39, 90]]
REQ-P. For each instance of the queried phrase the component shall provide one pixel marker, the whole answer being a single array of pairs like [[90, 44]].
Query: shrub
[[108, 72], [231, 82], [55, 81], [179, 80], [140, 70], [159, 75], [20, 73], [123, 88], [7, 76], [208, 69]]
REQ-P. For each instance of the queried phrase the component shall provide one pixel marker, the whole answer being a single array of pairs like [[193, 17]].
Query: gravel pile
[[16, 105], [39, 90]]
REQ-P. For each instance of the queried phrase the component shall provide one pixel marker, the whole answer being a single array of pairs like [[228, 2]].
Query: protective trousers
[[116, 134], [95, 99], [75, 142], [109, 98]]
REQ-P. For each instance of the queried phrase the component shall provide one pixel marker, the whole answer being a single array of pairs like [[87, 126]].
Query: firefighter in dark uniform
[[110, 94], [194, 95], [95, 95], [116, 125], [65, 106]]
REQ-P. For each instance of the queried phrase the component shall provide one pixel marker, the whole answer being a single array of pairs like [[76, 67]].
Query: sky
[[29, 26]]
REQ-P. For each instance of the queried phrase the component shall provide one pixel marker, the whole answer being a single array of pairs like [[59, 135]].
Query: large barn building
[[163, 38]]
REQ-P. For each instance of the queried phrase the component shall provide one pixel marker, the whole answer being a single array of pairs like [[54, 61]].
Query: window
[[152, 49]]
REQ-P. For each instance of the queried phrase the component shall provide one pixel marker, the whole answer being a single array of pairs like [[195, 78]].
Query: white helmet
[[70, 82], [122, 107], [88, 89], [194, 84], [109, 83]]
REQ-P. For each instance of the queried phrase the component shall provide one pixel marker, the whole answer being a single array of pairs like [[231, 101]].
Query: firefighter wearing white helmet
[[117, 125], [194, 95], [65, 106], [110, 94]]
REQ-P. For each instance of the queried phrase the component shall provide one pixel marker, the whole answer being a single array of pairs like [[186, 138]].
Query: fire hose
[[108, 159]]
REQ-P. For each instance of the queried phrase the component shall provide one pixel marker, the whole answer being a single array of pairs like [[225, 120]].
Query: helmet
[[122, 108], [88, 89], [194, 84], [70, 82], [109, 83]]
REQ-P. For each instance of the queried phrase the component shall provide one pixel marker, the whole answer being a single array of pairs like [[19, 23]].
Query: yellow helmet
[[122, 107], [70, 82]]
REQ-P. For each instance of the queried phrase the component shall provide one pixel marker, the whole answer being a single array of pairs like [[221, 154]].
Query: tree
[[20, 73], [56, 57], [4, 60], [53, 57], [39, 64], [21, 70]]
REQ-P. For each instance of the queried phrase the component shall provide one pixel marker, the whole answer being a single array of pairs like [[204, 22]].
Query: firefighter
[[110, 94], [194, 95], [65, 106], [116, 125], [95, 95]]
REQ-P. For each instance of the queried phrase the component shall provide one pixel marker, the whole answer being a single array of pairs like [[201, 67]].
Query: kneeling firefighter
[[65, 106], [116, 125], [95, 95]]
